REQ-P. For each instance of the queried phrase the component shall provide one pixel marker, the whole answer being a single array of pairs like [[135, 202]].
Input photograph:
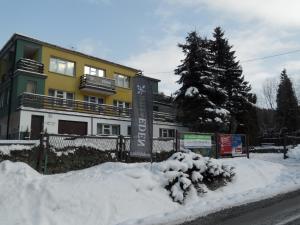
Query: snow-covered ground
[[118, 193], [294, 153]]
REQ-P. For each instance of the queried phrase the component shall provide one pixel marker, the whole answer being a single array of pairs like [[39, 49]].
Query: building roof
[[17, 36]]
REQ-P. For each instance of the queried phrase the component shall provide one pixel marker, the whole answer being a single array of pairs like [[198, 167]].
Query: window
[[66, 97], [121, 104], [31, 86], [61, 94], [70, 99], [129, 130], [96, 102], [108, 129], [122, 80], [166, 133], [94, 71], [62, 66]]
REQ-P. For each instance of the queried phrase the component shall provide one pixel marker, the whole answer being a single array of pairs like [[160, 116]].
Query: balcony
[[51, 103], [30, 66], [101, 85]]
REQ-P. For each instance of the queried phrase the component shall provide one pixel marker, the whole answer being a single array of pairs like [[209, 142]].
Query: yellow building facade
[[71, 84]]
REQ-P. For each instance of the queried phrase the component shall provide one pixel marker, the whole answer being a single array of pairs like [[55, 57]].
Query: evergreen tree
[[200, 96], [287, 104], [239, 99]]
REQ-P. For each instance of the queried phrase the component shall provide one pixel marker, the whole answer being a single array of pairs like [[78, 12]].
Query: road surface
[[281, 210]]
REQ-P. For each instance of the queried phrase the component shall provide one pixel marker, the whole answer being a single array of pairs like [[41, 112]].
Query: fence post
[[40, 151], [284, 147], [176, 141], [247, 145], [120, 147], [46, 142], [217, 145]]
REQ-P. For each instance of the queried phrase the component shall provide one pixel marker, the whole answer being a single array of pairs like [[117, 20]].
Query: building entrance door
[[37, 126]]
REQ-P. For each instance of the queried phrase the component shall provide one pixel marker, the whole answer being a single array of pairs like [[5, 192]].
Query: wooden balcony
[[30, 66], [47, 102], [101, 85]]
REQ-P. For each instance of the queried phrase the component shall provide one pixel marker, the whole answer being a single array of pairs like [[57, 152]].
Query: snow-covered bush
[[294, 153], [186, 172]]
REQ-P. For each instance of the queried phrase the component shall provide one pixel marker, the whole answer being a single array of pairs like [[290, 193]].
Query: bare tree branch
[[270, 87]]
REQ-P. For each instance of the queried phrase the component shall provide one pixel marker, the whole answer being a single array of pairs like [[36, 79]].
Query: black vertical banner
[[142, 117]]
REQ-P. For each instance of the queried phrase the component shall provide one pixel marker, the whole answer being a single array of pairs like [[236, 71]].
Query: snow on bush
[[190, 172], [294, 153], [191, 91], [6, 149]]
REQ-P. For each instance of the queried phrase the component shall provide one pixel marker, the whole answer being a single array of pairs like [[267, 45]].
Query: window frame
[[108, 127], [63, 98], [64, 60], [34, 82], [97, 71], [121, 104], [166, 133], [117, 81]]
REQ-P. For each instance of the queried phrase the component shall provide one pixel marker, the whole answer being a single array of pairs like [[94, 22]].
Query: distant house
[[47, 87]]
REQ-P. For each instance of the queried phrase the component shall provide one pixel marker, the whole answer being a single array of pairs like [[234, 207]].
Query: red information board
[[225, 143]]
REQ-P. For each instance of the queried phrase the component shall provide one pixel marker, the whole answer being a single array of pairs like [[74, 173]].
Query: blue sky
[[144, 34]]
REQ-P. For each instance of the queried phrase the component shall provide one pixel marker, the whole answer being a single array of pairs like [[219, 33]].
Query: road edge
[[237, 210]]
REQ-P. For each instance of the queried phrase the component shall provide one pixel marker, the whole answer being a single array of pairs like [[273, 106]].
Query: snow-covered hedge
[[7, 149], [294, 153], [190, 172]]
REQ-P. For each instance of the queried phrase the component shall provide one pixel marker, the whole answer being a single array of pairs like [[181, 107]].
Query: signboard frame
[[244, 149], [205, 147]]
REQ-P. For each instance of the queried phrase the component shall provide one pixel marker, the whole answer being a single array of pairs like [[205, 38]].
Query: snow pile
[[187, 172], [127, 194], [294, 153], [107, 194], [6, 149]]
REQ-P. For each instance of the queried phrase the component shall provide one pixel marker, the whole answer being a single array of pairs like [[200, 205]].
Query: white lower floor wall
[[94, 123]]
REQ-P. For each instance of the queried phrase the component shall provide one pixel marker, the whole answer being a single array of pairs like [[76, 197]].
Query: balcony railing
[[30, 65], [52, 103], [101, 85]]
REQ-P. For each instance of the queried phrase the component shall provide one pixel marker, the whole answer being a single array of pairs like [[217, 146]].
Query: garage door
[[72, 127]]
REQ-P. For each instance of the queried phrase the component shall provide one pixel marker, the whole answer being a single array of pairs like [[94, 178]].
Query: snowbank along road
[[131, 194]]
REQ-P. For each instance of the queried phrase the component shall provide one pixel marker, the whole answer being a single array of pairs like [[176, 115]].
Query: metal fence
[[158, 144], [119, 146], [271, 141], [60, 142]]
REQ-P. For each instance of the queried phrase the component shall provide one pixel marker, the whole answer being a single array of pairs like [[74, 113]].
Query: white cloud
[[159, 62], [93, 47], [250, 44], [285, 13]]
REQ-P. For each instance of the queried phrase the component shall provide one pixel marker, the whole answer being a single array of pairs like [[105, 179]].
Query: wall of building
[[51, 119], [71, 84]]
